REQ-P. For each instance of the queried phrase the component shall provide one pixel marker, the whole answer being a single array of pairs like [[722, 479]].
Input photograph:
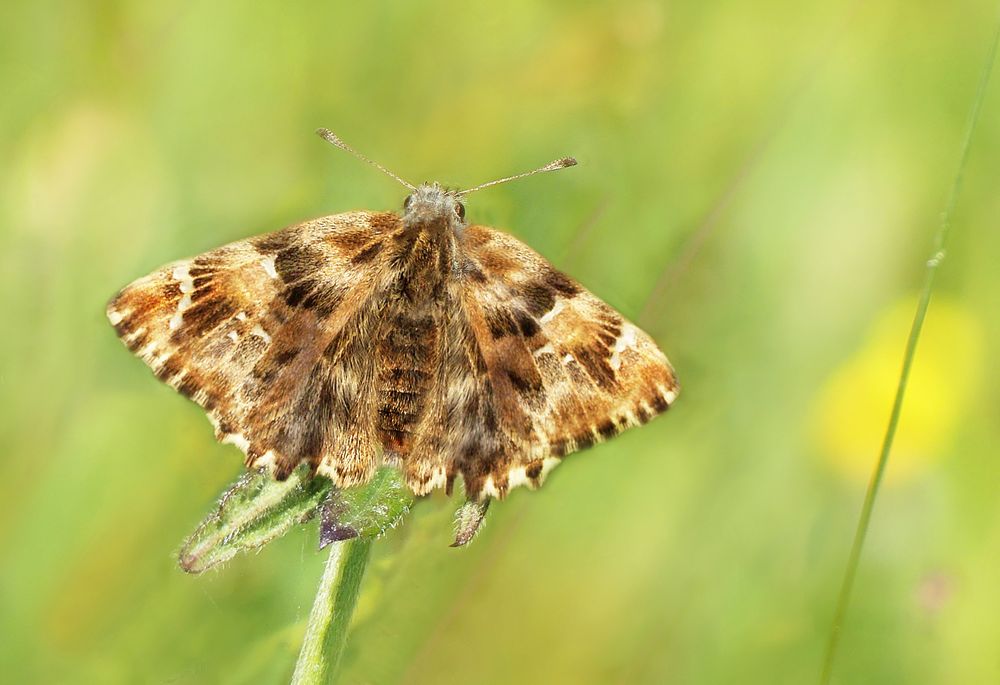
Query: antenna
[[551, 166], [333, 139]]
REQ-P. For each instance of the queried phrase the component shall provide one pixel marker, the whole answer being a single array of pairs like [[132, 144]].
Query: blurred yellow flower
[[852, 408]]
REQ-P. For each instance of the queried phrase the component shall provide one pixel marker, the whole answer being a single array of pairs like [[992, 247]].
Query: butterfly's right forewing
[[553, 368]]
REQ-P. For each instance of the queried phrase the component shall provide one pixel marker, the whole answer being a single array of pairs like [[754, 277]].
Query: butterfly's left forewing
[[256, 333]]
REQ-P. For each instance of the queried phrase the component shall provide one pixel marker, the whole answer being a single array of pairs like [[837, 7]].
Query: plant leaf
[[253, 511], [257, 509], [367, 511]]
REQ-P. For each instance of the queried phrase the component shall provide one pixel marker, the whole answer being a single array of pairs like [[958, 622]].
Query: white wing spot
[[668, 395], [490, 488], [233, 335], [134, 335], [264, 461], [438, 479], [115, 318], [545, 349], [181, 273], [268, 264], [238, 440], [517, 477], [551, 314], [178, 318], [548, 464], [625, 340], [149, 354], [261, 333]]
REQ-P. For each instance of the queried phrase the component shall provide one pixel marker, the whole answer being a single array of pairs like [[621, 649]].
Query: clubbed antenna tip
[[332, 138], [551, 166]]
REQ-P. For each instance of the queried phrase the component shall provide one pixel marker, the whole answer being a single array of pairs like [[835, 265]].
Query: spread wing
[[545, 368], [269, 336], [346, 341]]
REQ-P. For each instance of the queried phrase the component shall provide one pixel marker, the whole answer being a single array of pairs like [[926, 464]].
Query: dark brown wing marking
[[271, 337], [561, 370]]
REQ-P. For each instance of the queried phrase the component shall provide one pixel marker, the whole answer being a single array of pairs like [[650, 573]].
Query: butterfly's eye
[[460, 210], [407, 202]]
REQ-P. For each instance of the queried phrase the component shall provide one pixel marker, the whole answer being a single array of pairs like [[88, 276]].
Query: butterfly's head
[[430, 204]]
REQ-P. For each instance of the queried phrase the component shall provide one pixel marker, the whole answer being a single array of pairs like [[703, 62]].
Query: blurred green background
[[759, 185]]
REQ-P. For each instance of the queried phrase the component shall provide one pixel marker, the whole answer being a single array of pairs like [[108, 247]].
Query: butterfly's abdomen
[[407, 353]]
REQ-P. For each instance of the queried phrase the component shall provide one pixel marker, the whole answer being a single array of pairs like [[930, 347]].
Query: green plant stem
[[940, 243], [330, 618]]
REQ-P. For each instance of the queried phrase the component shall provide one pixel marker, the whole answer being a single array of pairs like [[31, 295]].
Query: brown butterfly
[[420, 341]]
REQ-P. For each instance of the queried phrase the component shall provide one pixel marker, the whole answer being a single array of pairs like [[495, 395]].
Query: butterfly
[[446, 349]]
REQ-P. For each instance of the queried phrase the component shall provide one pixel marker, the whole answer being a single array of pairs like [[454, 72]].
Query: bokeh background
[[759, 186]]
